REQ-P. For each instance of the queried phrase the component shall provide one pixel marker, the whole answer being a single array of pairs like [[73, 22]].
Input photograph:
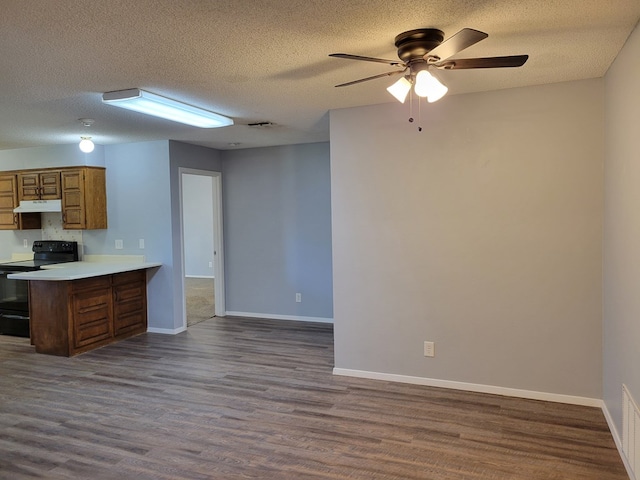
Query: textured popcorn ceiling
[[265, 60]]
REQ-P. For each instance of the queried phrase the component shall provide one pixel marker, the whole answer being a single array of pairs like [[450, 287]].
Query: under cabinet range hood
[[34, 206]]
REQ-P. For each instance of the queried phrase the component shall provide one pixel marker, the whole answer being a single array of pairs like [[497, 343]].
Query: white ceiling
[[265, 60]]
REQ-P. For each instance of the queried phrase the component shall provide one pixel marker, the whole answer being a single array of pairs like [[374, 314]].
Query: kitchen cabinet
[[82, 190], [75, 316], [91, 312], [8, 201], [39, 185], [84, 198], [129, 302]]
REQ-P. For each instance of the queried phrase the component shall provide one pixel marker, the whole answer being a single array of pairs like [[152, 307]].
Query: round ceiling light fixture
[[86, 144]]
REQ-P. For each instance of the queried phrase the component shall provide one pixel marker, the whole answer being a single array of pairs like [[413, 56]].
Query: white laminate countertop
[[79, 270]]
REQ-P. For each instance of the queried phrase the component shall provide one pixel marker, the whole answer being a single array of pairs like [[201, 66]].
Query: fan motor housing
[[417, 43]]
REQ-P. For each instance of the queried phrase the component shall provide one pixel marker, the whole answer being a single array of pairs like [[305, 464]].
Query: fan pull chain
[[411, 120], [411, 107]]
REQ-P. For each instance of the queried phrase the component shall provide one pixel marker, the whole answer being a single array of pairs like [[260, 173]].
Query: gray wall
[[186, 156], [68, 155], [483, 233], [197, 208], [622, 229], [277, 230], [139, 207]]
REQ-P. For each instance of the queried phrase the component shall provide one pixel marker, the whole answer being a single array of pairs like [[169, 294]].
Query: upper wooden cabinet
[[9, 201], [82, 191], [36, 185], [84, 198]]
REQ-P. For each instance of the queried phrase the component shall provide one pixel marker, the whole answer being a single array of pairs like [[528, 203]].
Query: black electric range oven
[[14, 294]]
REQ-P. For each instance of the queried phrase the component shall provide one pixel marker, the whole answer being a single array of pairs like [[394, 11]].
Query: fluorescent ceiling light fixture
[[163, 107], [86, 145], [400, 89], [429, 86]]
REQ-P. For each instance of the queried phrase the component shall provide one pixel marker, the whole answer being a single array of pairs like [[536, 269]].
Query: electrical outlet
[[119, 245], [210, 264], [141, 243], [429, 349], [298, 298], [25, 243]]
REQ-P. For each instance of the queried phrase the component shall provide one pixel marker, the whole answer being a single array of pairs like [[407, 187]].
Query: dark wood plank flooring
[[237, 398]]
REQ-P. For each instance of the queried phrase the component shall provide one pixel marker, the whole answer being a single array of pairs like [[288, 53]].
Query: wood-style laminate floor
[[200, 301], [236, 399]]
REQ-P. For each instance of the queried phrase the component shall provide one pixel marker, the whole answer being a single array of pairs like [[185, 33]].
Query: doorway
[[202, 253]]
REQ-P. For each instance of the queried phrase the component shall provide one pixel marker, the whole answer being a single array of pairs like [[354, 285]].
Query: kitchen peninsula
[[76, 307]]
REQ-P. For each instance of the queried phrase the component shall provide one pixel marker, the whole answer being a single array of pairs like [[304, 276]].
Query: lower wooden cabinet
[[71, 317], [91, 308]]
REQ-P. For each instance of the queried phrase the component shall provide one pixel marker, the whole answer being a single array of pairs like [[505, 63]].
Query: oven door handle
[[13, 317]]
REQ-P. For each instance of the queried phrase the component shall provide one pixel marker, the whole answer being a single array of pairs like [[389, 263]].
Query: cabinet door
[[29, 186], [130, 303], [73, 202], [92, 316], [9, 201], [50, 185], [39, 185], [84, 198]]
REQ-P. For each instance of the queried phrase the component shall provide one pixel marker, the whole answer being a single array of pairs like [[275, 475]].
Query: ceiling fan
[[422, 52]]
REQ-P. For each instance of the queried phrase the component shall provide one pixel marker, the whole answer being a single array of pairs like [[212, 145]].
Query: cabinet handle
[[15, 219]]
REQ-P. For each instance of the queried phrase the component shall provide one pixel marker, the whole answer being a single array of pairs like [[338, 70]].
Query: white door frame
[[218, 247]]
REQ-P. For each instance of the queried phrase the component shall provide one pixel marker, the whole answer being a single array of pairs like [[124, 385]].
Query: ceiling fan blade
[[366, 59], [387, 74], [489, 62], [452, 45]]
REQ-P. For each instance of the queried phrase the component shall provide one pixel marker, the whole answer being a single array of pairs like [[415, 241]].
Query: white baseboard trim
[[270, 316], [472, 387], [617, 438], [166, 331], [199, 276]]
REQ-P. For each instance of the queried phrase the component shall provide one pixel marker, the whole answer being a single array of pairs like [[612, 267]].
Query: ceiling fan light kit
[[400, 89], [158, 106], [428, 85], [421, 52]]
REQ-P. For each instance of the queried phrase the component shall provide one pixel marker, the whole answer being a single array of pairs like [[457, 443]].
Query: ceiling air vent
[[261, 124]]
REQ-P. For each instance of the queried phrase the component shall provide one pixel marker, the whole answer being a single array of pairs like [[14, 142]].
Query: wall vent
[[631, 431]]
